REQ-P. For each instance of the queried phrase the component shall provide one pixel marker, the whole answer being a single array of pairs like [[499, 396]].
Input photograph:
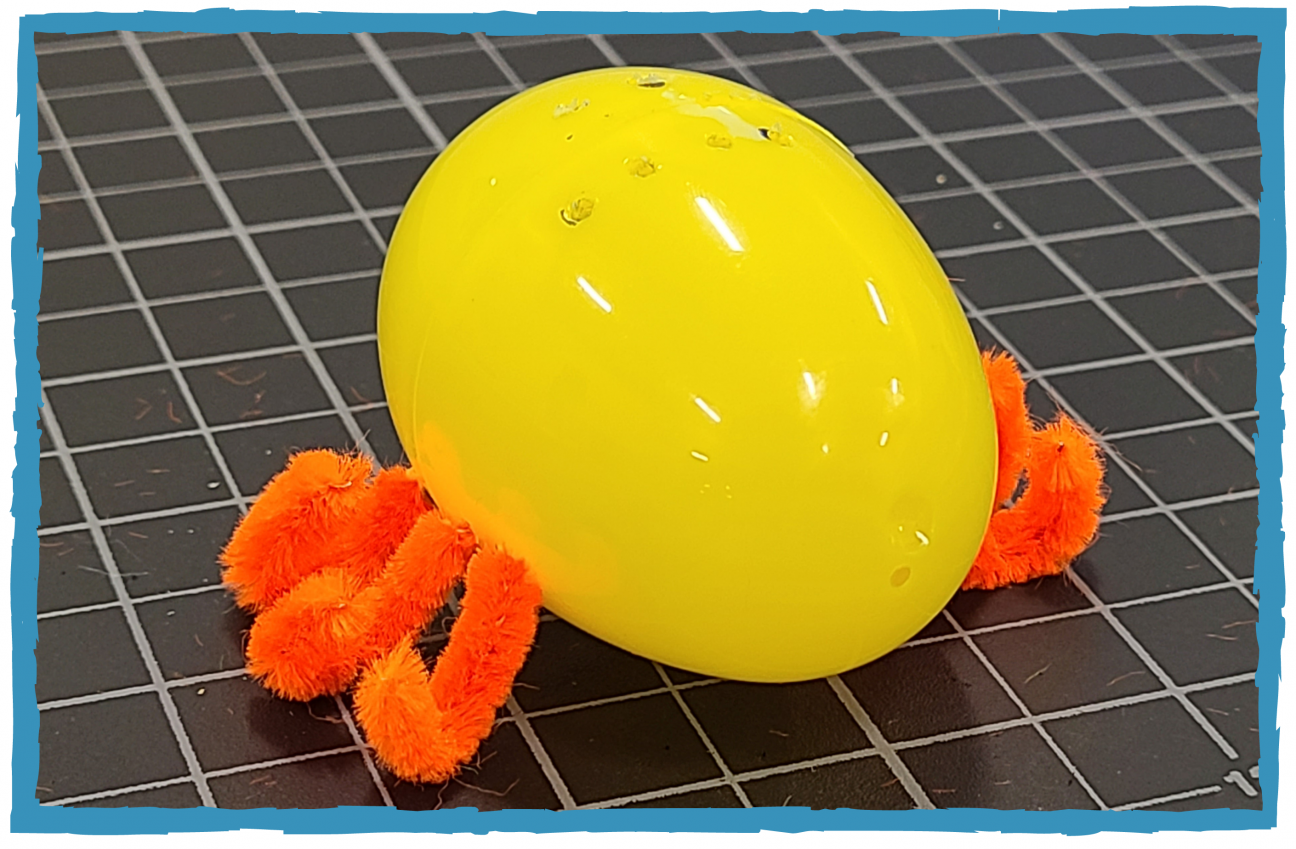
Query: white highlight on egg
[[699, 455], [896, 396], [706, 408], [810, 385], [719, 224], [877, 301], [593, 294], [811, 388]]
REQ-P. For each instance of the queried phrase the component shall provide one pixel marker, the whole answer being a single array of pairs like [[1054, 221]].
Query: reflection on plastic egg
[[663, 337]]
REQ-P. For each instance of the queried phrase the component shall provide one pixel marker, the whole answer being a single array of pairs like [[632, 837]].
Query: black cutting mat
[[214, 215]]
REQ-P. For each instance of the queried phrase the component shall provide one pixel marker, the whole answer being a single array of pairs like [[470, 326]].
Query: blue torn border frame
[[1267, 24]]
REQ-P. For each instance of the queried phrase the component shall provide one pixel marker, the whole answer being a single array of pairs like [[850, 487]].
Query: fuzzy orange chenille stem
[[1057, 515], [314, 639], [408, 592], [320, 511], [393, 504], [424, 727], [1008, 393], [291, 532]]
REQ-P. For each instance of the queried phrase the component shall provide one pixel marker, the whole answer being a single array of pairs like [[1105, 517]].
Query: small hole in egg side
[[641, 166], [577, 211]]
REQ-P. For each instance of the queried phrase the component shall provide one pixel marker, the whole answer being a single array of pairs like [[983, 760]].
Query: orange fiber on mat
[[314, 639], [291, 532], [423, 727], [1057, 515]]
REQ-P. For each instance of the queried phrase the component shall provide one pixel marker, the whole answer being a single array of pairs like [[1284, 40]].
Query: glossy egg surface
[[665, 338]]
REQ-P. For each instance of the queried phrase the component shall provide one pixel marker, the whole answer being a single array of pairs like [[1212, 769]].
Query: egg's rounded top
[[662, 336]]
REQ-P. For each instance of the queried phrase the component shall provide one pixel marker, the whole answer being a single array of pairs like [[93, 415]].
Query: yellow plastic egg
[[663, 337]]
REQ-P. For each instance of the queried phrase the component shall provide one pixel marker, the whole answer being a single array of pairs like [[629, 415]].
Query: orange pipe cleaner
[[313, 641], [293, 529], [345, 572], [423, 727], [1056, 516]]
